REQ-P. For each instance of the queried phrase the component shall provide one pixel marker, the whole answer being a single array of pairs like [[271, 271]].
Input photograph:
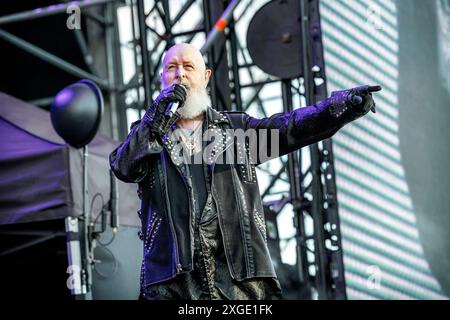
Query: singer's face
[[184, 64]]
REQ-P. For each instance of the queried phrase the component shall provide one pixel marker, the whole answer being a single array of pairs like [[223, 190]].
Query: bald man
[[203, 225]]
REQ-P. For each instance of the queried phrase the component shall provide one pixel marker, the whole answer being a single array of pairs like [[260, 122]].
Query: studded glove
[[156, 116], [359, 99]]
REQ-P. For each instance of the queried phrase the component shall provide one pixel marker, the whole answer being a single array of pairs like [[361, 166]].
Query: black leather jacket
[[168, 244]]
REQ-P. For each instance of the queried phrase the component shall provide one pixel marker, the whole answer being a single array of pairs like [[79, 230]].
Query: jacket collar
[[214, 117]]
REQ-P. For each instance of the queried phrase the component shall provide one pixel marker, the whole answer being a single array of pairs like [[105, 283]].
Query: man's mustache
[[183, 83]]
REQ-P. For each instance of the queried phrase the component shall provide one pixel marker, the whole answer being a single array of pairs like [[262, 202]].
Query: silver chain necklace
[[190, 140]]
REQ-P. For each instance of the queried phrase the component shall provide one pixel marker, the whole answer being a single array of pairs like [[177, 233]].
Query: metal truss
[[102, 14]]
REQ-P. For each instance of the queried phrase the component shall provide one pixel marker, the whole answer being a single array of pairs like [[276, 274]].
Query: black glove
[[359, 99], [156, 116]]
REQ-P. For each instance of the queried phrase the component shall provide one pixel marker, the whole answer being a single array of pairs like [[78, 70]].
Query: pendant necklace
[[190, 140]]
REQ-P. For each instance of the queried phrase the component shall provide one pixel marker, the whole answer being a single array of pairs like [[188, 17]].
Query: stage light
[[76, 112]]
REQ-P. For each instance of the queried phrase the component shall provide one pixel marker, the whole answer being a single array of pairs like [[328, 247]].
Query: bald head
[[185, 50]]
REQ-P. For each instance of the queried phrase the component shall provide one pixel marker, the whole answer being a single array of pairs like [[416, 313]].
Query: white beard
[[197, 102]]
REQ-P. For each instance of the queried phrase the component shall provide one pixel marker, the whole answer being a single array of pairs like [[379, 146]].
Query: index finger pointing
[[374, 88]]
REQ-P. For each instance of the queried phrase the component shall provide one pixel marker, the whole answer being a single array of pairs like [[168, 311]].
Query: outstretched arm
[[308, 125]]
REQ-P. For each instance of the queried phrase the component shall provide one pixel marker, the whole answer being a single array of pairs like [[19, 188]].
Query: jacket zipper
[[179, 268], [248, 166], [190, 213], [218, 216]]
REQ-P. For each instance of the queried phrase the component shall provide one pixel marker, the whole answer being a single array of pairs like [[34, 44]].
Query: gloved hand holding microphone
[[162, 113]]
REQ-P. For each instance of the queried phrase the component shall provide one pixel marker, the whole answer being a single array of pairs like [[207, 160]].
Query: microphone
[[114, 202], [172, 107]]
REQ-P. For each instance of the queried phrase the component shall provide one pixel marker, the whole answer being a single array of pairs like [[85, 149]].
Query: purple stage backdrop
[[41, 176]]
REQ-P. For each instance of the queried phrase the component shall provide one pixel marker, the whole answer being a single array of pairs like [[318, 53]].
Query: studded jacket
[[168, 244]]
